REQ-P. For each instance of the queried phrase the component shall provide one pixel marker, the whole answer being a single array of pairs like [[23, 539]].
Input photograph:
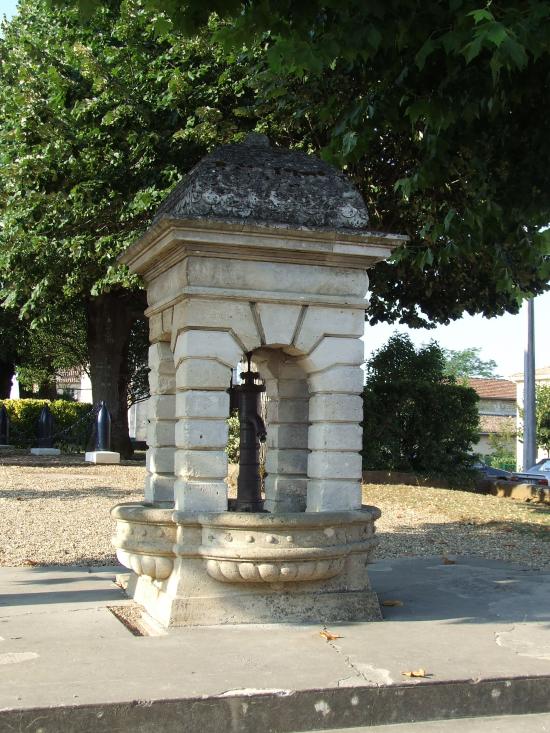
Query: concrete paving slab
[[479, 629]]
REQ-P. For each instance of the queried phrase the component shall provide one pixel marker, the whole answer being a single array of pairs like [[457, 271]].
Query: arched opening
[[284, 407]]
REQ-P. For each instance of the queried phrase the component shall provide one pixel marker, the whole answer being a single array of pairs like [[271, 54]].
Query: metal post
[[252, 431], [529, 406], [103, 441], [45, 428], [4, 426]]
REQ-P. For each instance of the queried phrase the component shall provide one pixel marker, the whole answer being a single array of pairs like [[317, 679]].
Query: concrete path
[[480, 630]]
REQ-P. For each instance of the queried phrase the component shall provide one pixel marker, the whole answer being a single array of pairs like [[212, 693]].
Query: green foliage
[[55, 342], [543, 416], [503, 455], [233, 439], [467, 363], [98, 122], [435, 111], [138, 367], [437, 115], [72, 422], [505, 460], [416, 418]]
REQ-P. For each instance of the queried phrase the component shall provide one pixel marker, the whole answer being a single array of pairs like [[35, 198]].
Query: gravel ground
[[420, 521], [56, 511]]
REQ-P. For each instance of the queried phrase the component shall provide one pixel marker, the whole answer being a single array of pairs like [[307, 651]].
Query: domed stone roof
[[255, 183]]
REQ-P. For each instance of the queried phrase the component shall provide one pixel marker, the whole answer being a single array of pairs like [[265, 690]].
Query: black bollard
[[103, 441], [45, 428], [4, 426]]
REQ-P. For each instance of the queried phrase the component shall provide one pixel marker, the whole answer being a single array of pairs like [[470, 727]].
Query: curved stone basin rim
[[263, 520], [147, 513]]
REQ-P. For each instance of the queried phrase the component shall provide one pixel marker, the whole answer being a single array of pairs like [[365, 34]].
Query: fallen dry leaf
[[416, 673], [328, 635], [446, 561], [391, 603], [28, 561]]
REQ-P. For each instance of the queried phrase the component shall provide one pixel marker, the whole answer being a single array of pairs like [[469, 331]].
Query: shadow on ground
[[74, 493]]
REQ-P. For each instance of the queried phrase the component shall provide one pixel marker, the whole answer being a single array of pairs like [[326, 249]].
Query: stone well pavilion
[[259, 251]]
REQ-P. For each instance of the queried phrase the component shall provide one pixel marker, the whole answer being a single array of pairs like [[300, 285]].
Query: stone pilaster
[[203, 368], [335, 412], [159, 482]]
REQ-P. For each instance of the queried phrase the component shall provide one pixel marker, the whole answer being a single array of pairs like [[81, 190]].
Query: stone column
[[335, 379], [287, 429], [159, 482], [203, 362]]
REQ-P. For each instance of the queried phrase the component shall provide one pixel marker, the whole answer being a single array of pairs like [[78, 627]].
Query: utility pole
[[529, 419]]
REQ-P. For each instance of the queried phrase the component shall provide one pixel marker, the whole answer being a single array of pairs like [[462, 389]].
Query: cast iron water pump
[[252, 432]]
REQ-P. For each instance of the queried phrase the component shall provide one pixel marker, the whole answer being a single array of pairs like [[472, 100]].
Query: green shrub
[[506, 460], [72, 422], [233, 438], [416, 419]]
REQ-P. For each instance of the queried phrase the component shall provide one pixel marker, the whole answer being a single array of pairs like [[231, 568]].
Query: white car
[[538, 474]]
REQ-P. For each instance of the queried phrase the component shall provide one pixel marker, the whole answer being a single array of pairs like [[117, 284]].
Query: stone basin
[[282, 548], [239, 547], [144, 538]]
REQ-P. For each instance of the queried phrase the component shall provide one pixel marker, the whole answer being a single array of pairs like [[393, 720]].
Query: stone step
[[352, 710]]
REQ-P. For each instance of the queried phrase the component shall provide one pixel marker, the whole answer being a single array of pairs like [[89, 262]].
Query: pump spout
[[259, 427]]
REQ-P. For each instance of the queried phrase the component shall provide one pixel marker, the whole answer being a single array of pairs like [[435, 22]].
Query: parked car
[[490, 472], [538, 474], [487, 476]]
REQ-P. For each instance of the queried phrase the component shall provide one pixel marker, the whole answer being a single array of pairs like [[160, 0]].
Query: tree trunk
[[7, 370], [110, 317], [47, 390]]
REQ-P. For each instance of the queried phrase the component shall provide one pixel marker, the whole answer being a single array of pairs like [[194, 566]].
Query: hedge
[[73, 422]]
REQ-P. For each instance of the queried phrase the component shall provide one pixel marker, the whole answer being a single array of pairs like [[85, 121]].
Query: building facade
[[497, 414]]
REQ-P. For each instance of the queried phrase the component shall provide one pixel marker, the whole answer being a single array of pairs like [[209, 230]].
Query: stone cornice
[[171, 240]]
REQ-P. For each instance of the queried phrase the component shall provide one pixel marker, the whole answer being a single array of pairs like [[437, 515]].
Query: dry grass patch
[[425, 521]]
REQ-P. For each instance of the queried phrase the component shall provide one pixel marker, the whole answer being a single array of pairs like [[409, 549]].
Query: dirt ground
[[56, 511]]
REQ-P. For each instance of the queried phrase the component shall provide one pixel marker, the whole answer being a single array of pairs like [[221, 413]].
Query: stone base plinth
[[319, 606], [102, 456], [45, 452], [234, 568]]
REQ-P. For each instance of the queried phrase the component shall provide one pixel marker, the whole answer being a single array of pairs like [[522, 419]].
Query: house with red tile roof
[[497, 412]]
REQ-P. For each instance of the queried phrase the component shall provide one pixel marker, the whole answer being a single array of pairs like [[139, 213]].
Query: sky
[[501, 339], [7, 7]]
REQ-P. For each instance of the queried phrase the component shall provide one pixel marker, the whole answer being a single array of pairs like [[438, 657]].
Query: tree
[[467, 363], [436, 112], [38, 352], [543, 416], [55, 343], [502, 453], [415, 417], [98, 122]]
